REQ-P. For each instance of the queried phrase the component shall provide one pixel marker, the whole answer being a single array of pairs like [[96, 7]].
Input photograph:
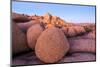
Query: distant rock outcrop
[[72, 29], [53, 20], [49, 20]]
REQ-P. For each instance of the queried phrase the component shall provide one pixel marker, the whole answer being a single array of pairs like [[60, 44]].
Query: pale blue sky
[[73, 13]]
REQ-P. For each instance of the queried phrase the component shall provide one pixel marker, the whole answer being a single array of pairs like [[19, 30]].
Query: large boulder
[[32, 35], [51, 45], [19, 41]]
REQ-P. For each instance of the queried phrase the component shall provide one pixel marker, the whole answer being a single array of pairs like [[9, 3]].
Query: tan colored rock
[[53, 20], [79, 30], [49, 26], [65, 30], [71, 31], [51, 45], [47, 18], [19, 41], [32, 35]]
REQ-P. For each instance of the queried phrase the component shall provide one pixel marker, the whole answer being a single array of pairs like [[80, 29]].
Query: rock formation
[[32, 35], [48, 45], [19, 41], [51, 46], [20, 17]]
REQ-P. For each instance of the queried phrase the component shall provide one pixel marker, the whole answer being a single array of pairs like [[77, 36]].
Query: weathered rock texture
[[50, 45], [73, 30], [32, 35], [19, 41]]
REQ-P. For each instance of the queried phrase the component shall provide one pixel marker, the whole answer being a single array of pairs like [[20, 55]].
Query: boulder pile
[[50, 39]]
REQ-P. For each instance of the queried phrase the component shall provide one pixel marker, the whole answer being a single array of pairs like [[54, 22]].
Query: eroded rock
[[51, 46], [19, 41], [32, 35]]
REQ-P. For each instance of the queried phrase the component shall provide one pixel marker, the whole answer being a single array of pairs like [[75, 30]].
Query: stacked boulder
[[52, 39]]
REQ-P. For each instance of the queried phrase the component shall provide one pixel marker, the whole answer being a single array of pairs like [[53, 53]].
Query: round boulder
[[33, 34], [51, 45]]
